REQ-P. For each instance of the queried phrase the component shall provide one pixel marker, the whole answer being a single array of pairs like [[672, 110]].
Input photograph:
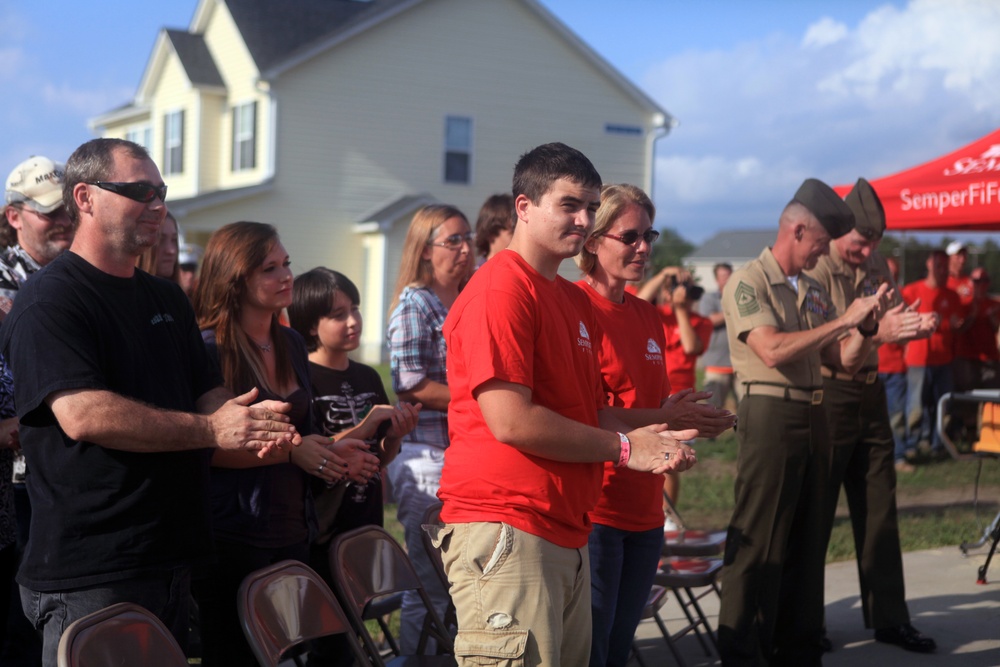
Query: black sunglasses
[[140, 192], [631, 236]]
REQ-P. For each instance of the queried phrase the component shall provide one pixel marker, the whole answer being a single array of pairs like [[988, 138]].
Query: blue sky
[[767, 92]]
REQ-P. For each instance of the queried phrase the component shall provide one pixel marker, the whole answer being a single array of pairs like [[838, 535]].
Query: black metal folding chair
[[690, 580]]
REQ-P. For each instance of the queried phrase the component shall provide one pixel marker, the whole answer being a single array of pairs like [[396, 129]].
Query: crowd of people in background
[[961, 355], [165, 430]]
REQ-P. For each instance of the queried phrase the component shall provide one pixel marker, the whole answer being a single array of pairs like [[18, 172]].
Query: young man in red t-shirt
[[929, 372], [527, 424], [977, 359]]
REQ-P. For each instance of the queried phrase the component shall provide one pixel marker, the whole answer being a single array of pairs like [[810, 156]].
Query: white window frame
[[244, 136], [140, 134], [173, 141]]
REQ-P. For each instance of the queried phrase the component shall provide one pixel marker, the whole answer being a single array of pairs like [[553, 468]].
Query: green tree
[[669, 250]]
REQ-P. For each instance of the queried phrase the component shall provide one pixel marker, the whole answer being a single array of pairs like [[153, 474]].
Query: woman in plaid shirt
[[437, 262]]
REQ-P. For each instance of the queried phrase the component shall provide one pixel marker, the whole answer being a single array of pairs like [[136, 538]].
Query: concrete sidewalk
[[945, 603]]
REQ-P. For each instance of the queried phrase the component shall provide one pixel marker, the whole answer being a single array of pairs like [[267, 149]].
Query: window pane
[[173, 143], [243, 136], [456, 167], [458, 133]]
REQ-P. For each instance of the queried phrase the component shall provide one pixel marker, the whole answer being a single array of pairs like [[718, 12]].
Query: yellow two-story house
[[335, 120]]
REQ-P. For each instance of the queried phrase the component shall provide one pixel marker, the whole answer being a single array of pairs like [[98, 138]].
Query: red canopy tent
[[957, 192]]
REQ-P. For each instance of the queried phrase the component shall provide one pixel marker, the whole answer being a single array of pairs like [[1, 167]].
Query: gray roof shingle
[[273, 30], [734, 245], [195, 57]]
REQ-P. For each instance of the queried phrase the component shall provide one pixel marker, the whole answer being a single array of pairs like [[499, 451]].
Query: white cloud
[[824, 32], [901, 86], [699, 179], [84, 102], [53, 100], [949, 45]]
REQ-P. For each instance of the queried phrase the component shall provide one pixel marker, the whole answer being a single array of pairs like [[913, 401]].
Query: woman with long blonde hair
[[262, 509], [160, 259], [627, 533], [437, 262]]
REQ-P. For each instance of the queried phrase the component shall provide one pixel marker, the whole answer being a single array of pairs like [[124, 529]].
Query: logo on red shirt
[[584, 339], [653, 351]]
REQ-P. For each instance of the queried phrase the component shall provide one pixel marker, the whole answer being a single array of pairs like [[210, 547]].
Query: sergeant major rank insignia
[[746, 299]]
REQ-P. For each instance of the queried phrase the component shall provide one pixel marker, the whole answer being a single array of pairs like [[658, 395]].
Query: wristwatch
[[868, 333]]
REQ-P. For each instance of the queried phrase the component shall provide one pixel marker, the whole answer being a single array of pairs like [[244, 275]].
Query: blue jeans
[[925, 386], [895, 397], [622, 568], [166, 594], [416, 476]]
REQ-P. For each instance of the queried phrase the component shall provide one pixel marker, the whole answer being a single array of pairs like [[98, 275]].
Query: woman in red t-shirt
[[627, 531]]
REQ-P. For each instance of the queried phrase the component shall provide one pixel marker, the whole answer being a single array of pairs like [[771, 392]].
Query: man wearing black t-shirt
[[119, 409]]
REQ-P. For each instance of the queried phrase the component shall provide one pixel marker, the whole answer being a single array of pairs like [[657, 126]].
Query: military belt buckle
[[817, 397], [871, 377]]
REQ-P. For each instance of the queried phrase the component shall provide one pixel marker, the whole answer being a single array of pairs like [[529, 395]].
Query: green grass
[[392, 525], [929, 515], [383, 371]]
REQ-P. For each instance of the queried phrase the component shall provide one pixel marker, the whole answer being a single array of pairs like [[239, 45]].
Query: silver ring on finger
[[666, 456]]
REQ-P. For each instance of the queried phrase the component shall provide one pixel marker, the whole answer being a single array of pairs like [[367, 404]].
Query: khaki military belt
[[811, 396], [864, 377]]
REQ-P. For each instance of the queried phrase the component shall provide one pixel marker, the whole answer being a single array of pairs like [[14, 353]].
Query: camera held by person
[[689, 291], [672, 285]]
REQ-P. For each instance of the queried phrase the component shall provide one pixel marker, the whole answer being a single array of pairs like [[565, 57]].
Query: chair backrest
[[285, 604], [122, 634], [369, 567], [671, 511]]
